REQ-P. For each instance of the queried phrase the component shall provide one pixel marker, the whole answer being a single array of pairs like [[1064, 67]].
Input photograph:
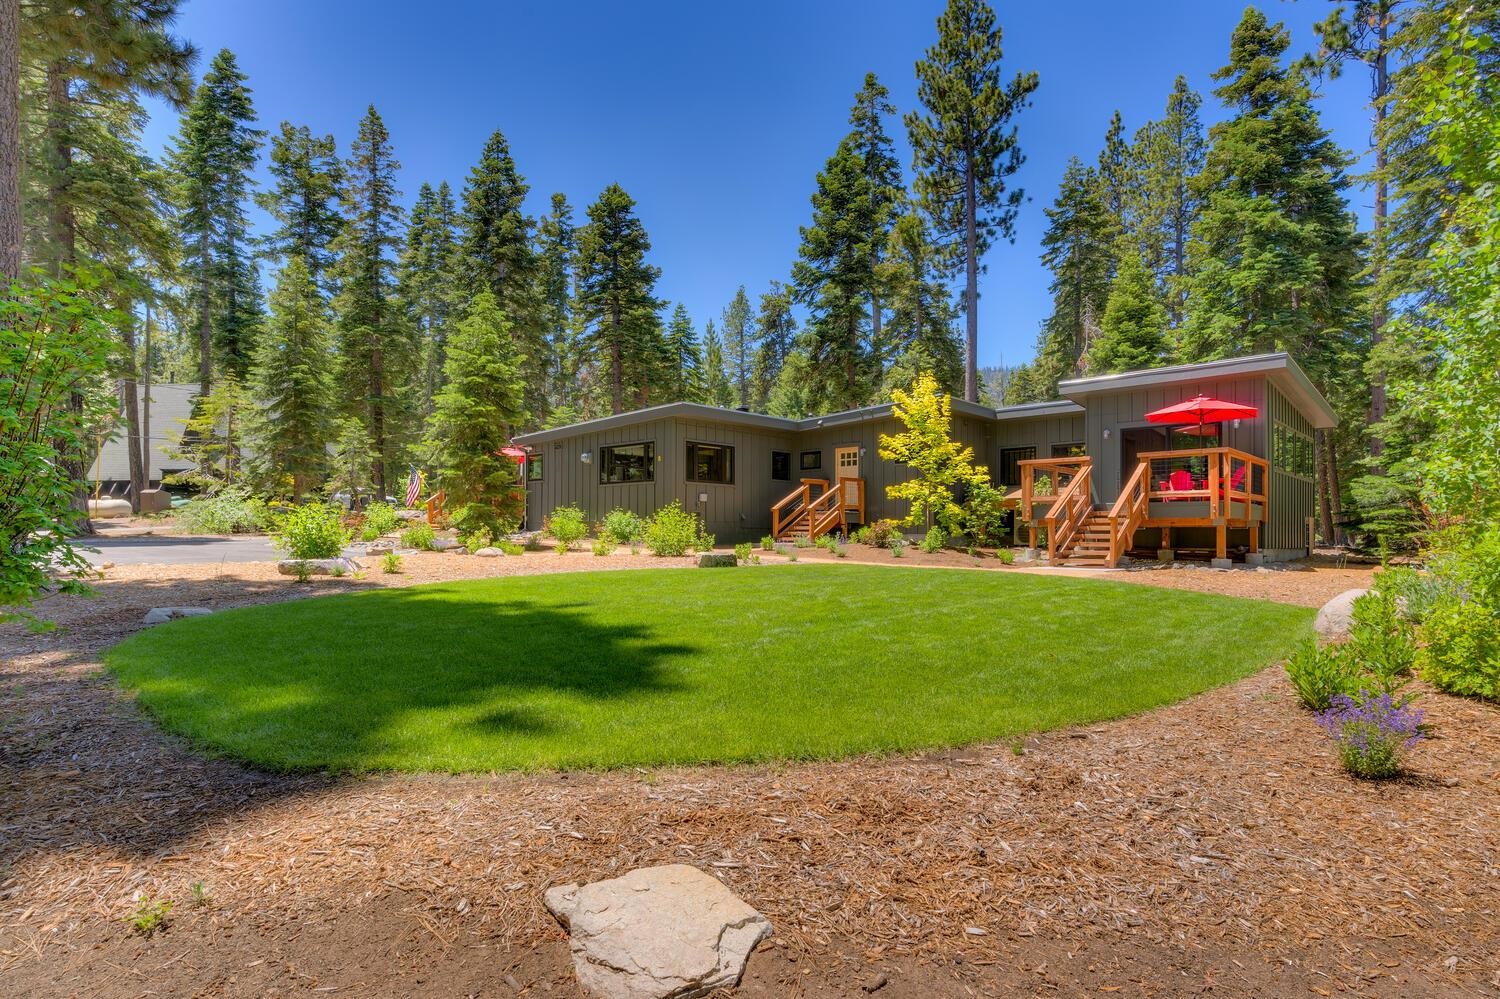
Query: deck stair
[[1091, 545], [815, 508]]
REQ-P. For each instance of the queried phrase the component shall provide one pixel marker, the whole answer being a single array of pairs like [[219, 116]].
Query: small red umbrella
[[1201, 410]]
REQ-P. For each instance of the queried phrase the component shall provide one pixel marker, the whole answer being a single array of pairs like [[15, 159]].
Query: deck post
[[1254, 536]]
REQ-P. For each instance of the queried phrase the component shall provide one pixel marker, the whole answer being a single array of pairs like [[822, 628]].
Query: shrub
[[473, 542], [419, 535], [1381, 639], [509, 547], [604, 546], [841, 550], [767, 543], [312, 531], [827, 542], [391, 563], [802, 542], [1319, 673], [1006, 556], [149, 916], [380, 519], [567, 526], [742, 552], [934, 540], [983, 513], [882, 532], [1461, 649], [622, 526], [897, 545], [705, 542], [671, 531], [230, 511], [1371, 731], [791, 554], [860, 536], [533, 542]]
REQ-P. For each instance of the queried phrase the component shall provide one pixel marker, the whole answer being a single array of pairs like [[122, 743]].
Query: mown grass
[[681, 666]]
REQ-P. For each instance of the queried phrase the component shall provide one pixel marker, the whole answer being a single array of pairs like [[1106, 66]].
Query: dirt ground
[[1209, 847]]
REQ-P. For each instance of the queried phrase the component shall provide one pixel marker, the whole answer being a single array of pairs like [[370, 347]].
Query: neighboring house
[[1089, 468], [171, 406]]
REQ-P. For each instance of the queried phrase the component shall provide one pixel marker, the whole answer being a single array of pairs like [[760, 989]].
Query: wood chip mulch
[[1212, 845]]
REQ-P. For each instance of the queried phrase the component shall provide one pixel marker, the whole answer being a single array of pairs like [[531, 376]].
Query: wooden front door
[[846, 466]]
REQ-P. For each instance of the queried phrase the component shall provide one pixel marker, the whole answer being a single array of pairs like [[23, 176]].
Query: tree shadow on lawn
[[415, 663]]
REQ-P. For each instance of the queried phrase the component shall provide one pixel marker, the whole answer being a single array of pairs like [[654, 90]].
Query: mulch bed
[[1211, 846]]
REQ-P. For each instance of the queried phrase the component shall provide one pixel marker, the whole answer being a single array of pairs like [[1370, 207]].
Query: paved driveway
[[168, 550]]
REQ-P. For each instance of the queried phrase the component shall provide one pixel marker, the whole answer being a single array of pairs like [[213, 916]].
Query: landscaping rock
[[160, 615], [670, 932], [488, 553], [715, 560], [1337, 615], [445, 544], [318, 566], [380, 547]]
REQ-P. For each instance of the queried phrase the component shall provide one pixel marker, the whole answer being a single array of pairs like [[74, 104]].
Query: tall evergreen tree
[[739, 345], [1132, 330], [477, 412], [965, 147], [1274, 253], [718, 390], [872, 105], [292, 385], [923, 337], [304, 199], [1162, 202], [832, 276], [376, 347], [687, 363], [616, 301], [775, 328], [212, 158], [426, 279], [1114, 176], [556, 246]]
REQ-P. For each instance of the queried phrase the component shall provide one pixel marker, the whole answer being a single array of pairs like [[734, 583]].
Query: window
[[1010, 459], [710, 463], [781, 465], [1074, 449], [812, 461], [627, 463], [534, 467], [1291, 452]]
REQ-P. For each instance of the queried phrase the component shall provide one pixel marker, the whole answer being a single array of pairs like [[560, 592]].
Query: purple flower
[[1371, 730]]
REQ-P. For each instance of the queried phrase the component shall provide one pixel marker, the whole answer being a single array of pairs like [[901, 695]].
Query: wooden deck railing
[[823, 508], [1066, 516], [435, 507], [1129, 511], [1220, 475], [793, 505]]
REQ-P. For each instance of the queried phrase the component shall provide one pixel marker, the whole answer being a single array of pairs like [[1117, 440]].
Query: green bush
[[391, 564], [768, 543], [705, 542], [897, 545], [801, 542], [230, 511], [622, 526], [380, 519], [841, 550], [1006, 556], [860, 536], [533, 542], [1321, 672], [1381, 639], [509, 547], [671, 531], [567, 526], [742, 552], [882, 533], [604, 546], [419, 535], [934, 540], [313, 531], [1461, 649], [827, 542], [983, 516]]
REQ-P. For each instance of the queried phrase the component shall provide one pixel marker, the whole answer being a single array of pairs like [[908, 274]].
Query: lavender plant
[[1371, 731]]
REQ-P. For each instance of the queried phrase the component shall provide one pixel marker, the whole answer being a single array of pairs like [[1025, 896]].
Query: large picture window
[[710, 463], [534, 468], [627, 463], [781, 465], [1074, 449], [812, 461], [1291, 451], [1010, 464]]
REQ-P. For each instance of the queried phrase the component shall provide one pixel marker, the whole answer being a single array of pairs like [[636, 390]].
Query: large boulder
[[488, 552], [318, 566], [669, 932], [446, 544], [717, 560], [160, 615], [1336, 617]]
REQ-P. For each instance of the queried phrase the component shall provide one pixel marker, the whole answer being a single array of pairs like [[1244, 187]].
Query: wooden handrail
[[435, 507], [1129, 511], [778, 521], [1069, 512], [825, 511]]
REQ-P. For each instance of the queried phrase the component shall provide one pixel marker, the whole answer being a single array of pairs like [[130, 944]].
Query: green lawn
[[675, 666]]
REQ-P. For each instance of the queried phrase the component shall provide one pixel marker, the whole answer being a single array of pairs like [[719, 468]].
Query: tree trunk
[[205, 319], [616, 362], [971, 286], [1325, 508], [1335, 502], [131, 401], [10, 140], [146, 395], [1378, 317], [377, 415]]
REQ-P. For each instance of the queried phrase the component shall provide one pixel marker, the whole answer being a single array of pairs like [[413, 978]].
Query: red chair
[[1181, 480]]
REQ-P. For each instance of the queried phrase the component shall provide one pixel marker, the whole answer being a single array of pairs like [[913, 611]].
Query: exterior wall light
[[586, 457], [1106, 433], [1236, 423]]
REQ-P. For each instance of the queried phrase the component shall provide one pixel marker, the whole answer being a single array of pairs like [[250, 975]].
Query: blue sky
[[716, 116]]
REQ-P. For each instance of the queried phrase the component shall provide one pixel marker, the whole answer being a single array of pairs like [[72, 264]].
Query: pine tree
[[832, 276], [426, 283], [687, 363], [1076, 249], [872, 105], [556, 246], [1114, 176], [1274, 252], [376, 347], [212, 158], [292, 384], [739, 345], [498, 255], [923, 338], [775, 328], [480, 407], [616, 299], [965, 147], [718, 390], [1162, 202], [304, 200], [1132, 330]]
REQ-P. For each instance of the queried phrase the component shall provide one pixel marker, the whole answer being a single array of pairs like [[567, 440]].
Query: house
[[169, 406], [1089, 472]]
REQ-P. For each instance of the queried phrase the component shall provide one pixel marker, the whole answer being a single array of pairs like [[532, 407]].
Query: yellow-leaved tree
[[927, 447]]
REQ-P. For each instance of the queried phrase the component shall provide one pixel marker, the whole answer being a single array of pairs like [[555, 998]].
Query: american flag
[[413, 486]]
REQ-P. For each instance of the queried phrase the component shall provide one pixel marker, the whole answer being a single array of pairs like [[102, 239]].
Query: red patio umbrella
[[1201, 410]]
